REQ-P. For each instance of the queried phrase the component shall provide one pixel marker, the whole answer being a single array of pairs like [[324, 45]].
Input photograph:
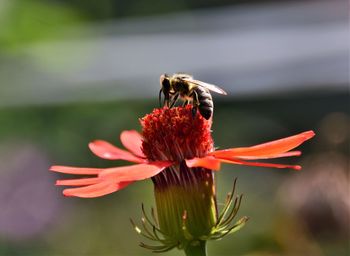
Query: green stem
[[196, 249]]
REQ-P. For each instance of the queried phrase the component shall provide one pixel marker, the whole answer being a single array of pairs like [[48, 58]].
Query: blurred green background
[[75, 71]]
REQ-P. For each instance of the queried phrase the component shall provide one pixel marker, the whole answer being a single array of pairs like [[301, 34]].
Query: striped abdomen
[[205, 101]]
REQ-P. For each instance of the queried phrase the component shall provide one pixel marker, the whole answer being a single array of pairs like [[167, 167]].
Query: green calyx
[[187, 217], [186, 213]]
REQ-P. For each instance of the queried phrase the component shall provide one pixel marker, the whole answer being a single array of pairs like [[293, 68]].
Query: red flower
[[161, 145]]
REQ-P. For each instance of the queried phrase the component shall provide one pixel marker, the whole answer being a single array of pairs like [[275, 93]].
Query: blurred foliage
[[107, 9], [26, 21]]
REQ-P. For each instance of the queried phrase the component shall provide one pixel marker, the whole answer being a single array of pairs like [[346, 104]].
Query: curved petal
[[237, 161], [206, 162], [132, 140], [78, 182], [96, 190], [287, 154], [266, 150], [134, 172], [108, 151], [75, 170]]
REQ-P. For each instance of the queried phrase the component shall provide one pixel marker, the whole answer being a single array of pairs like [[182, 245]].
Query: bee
[[180, 85]]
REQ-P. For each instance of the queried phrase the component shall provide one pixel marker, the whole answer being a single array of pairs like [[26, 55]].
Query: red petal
[[132, 140], [266, 150], [134, 172], [78, 182], [108, 151], [237, 161], [96, 190], [287, 154], [75, 170], [206, 162]]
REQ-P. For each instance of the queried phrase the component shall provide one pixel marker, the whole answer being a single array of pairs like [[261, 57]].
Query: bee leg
[[194, 111], [174, 100], [185, 103], [166, 100]]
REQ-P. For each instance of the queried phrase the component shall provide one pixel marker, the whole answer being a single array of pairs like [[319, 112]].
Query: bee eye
[[161, 79], [164, 81]]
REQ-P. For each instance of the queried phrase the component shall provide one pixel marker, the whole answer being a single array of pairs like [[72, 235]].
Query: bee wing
[[182, 75], [210, 87]]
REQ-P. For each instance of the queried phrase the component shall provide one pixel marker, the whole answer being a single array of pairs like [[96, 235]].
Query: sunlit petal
[[96, 190], [132, 140], [266, 150], [108, 151], [75, 170], [287, 154], [206, 162], [134, 172], [78, 182]]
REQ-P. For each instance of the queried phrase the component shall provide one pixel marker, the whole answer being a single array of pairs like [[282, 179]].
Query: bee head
[[165, 82]]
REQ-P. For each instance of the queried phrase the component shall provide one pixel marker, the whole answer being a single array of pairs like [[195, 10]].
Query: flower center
[[175, 134]]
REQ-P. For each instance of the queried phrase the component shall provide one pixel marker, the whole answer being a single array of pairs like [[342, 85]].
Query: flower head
[[176, 151], [169, 137]]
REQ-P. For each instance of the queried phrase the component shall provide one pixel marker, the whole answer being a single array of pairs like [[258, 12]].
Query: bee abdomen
[[206, 106]]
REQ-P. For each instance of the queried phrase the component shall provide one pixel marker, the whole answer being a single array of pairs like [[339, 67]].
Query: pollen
[[175, 134]]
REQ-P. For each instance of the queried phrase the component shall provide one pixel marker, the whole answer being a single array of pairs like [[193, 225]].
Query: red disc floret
[[175, 134]]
